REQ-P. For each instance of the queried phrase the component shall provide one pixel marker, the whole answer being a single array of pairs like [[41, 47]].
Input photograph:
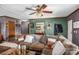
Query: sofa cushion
[[71, 48], [47, 51], [58, 49], [36, 46], [3, 48], [51, 41], [61, 38], [68, 44], [9, 44], [37, 37], [43, 40], [11, 51], [31, 52]]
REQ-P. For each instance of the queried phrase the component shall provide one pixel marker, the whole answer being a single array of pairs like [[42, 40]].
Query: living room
[[39, 29]]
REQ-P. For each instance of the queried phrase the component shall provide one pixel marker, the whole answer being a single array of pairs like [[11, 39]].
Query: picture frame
[[49, 26], [31, 25]]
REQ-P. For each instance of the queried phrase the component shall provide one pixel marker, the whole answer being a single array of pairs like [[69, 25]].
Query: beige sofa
[[60, 45]]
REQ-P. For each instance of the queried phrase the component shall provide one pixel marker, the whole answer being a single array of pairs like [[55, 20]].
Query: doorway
[[11, 30]]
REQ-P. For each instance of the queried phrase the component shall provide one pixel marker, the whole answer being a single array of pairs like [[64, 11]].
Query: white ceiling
[[19, 11]]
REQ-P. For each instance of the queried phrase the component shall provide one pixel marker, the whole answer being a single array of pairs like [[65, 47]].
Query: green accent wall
[[51, 21]]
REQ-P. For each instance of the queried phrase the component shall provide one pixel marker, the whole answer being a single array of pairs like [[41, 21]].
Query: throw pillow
[[51, 41], [58, 49], [61, 38], [29, 38], [43, 40]]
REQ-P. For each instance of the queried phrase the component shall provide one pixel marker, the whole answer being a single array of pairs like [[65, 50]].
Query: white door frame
[[70, 30]]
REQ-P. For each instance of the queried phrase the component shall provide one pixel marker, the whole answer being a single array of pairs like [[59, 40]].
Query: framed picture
[[49, 26], [76, 24], [40, 27], [31, 25]]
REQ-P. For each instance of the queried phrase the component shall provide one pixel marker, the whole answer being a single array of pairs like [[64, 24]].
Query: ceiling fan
[[39, 10]]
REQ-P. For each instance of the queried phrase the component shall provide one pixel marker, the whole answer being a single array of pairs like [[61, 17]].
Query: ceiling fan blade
[[38, 6], [47, 12], [30, 9], [32, 13], [43, 6]]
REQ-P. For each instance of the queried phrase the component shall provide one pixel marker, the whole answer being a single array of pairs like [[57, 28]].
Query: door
[[70, 30], [11, 29], [76, 36], [76, 33]]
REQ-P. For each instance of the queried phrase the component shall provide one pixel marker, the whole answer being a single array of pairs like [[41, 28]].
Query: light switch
[[75, 31]]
